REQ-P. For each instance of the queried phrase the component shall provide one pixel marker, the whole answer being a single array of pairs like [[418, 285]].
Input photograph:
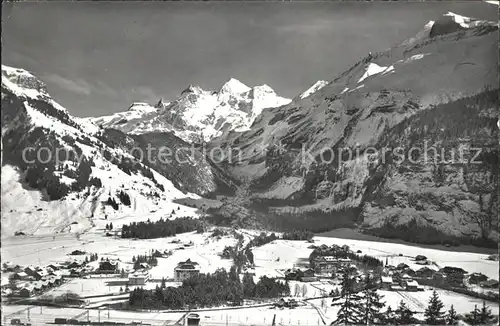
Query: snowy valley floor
[[271, 259]]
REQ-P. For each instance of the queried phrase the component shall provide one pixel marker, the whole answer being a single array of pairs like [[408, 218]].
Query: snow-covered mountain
[[197, 115], [61, 173], [450, 60]]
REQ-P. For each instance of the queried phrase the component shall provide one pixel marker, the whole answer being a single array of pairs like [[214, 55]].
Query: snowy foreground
[[271, 259]]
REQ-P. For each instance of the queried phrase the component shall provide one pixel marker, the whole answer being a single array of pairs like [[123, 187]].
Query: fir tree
[[248, 286], [485, 315], [110, 226], [433, 313], [389, 316], [372, 305], [473, 317], [163, 283], [404, 316], [451, 317], [349, 302]]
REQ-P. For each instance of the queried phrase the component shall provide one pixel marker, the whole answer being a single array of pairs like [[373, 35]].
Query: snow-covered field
[[271, 259], [283, 254], [95, 286]]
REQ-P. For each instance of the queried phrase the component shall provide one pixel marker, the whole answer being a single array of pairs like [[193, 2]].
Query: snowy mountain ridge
[[198, 115]]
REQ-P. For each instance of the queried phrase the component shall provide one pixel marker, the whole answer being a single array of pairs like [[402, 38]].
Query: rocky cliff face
[[316, 152]]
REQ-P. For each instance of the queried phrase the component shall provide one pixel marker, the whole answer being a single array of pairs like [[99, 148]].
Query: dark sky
[[97, 58]]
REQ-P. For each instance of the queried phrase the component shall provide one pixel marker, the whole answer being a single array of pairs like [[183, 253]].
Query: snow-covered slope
[[452, 58], [314, 88], [198, 115], [58, 172]]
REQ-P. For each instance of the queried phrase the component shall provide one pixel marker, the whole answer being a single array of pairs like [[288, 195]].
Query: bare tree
[[298, 290]]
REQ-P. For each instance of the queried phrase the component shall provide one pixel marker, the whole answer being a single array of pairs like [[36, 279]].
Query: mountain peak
[[234, 86], [192, 89]]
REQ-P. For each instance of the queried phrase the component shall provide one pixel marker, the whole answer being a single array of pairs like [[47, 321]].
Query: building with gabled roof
[[185, 270]]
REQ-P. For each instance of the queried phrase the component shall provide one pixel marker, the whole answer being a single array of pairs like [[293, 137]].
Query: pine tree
[[107, 226], [349, 302], [110, 226], [248, 286], [163, 283], [473, 317], [404, 316], [433, 313], [372, 305], [485, 315], [389, 316], [451, 317]]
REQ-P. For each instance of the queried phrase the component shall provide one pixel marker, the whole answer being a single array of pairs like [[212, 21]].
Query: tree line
[[208, 290], [161, 228]]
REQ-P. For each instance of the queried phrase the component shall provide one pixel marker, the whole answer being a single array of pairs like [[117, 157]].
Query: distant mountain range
[[197, 115], [438, 87]]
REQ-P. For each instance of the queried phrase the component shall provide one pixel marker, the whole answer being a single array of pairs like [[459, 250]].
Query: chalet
[[138, 278], [185, 270], [74, 264], [8, 267], [75, 272], [422, 262], [54, 267], [424, 272], [409, 272], [22, 276], [292, 274], [489, 284], [108, 267], [404, 278], [40, 273], [454, 275], [477, 278], [402, 266], [26, 292], [308, 276], [420, 258], [77, 252], [30, 270], [410, 285], [386, 282]]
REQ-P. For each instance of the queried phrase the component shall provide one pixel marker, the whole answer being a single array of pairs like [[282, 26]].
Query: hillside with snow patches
[[438, 85], [44, 195], [197, 115], [451, 60]]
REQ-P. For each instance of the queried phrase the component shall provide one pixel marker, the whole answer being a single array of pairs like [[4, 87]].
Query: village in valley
[[271, 278]]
